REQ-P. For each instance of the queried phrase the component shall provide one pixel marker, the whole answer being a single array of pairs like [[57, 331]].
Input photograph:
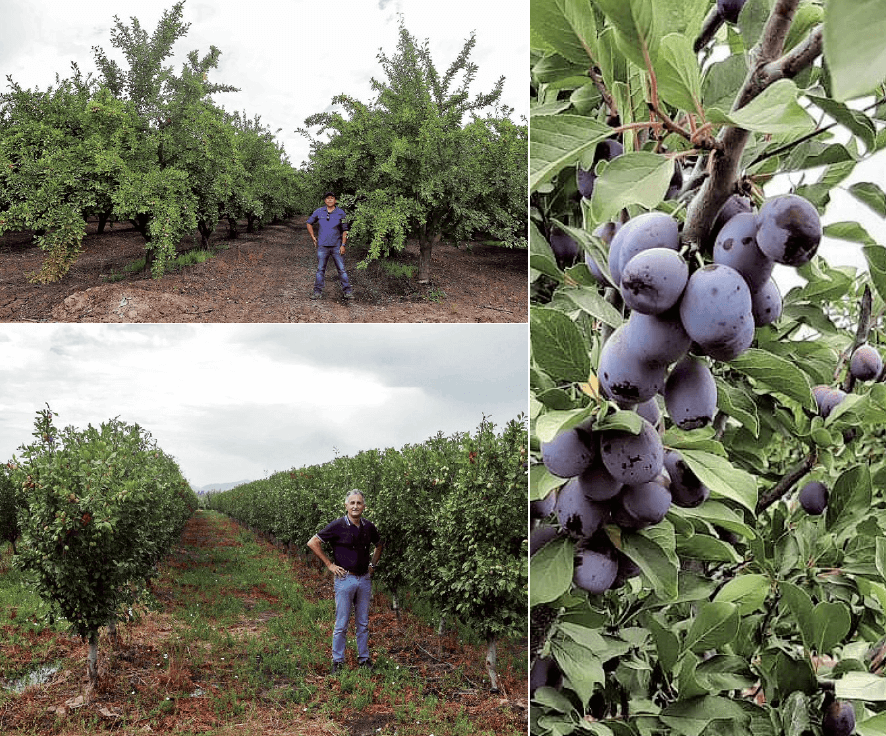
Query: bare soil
[[267, 276]]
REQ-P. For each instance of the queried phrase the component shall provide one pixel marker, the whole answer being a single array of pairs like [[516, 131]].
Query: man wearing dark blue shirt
[[350, 537], [330, 243]]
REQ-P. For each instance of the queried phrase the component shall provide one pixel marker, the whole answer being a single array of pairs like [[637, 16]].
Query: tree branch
[[861, 335], [784, 486], [727, 160], [708, 29]]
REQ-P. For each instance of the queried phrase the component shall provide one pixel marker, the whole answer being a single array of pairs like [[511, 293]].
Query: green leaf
[[735, 402], [871, 195], [541, 257], [551, 571], [559, 141], [850, 498], [795, 715], [557, 345], [752, 19], [666, 642], [705, 547], [582, 666], [831, 622], [719, 514], [640, 178], [678, 74], [857, 122], [549, 425], [723, 80], [635, 23], [876, 258], [565, 26], [716, 624], [658, 563], [800, 605], [721, 477], [621, 421], [775, 111], [880, 556], [590, 301], [776, 373], [542, 482], [747, 591], [861, 686], [873, 726], [853, 46], [691, 717]]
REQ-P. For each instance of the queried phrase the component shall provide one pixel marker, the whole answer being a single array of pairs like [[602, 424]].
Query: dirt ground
[[263, 277]]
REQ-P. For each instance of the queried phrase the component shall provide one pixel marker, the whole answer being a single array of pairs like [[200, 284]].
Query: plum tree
[[716, 311], [814, 497], [690, 394], [647, 502], [657, 339], [577, 514], [686, 489], [653, 280], [866, 363], [729, 10], [568, 454], [632, 458], [789, 229], [623, 375], [838, 719], [736, 246], [649, 230], [594, 571], [766, 304]]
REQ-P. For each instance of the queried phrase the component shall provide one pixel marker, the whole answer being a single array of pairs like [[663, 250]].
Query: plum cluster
[[614, 477], [712, 311]]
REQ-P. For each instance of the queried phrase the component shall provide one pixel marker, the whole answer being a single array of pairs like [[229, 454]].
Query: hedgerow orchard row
[[679, 585], [90, 514], [452, 512]]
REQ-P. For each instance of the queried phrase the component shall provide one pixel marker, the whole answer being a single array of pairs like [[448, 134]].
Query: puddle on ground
[[39, 676]]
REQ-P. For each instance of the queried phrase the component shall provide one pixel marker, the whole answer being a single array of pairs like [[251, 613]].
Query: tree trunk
[[250, 224], [441, 628], [426, 245], [396, 606], [112, 633], [14, 551], [92, 659], [102, 221], [490, 664], [205, 232], [232, 228]]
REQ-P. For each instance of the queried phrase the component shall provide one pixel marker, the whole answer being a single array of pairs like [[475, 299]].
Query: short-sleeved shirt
[[350, 543], [332, 225]]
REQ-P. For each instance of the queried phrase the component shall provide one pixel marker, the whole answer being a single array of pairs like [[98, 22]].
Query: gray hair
[[352, 492]]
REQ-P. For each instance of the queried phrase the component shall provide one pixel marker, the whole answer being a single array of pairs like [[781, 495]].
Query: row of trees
[[452, 511], [95, 510], [140, 144], [745, 614], [147, 145]]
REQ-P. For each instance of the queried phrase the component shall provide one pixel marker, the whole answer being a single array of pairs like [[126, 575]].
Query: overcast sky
[[233, 402], [289, 58]]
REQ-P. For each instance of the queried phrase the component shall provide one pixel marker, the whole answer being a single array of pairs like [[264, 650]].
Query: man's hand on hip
[[338, 571]]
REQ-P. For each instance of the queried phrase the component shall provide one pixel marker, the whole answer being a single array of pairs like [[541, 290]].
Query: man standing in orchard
[[333, 235], [350, 537]]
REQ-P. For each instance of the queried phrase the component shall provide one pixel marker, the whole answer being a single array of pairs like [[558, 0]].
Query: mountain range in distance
[[219, 486]]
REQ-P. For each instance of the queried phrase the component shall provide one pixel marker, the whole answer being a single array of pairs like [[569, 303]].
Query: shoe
[[348, 296], [366, 664], [316, 295], [337, 667]]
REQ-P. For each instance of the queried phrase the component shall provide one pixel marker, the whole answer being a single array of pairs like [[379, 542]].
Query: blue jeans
[[356, 590], [323, 254]]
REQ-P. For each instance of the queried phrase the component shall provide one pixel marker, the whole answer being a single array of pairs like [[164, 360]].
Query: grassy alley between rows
[[235, 637]]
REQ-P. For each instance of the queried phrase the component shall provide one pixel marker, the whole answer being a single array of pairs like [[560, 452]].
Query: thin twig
[[784, 486]]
